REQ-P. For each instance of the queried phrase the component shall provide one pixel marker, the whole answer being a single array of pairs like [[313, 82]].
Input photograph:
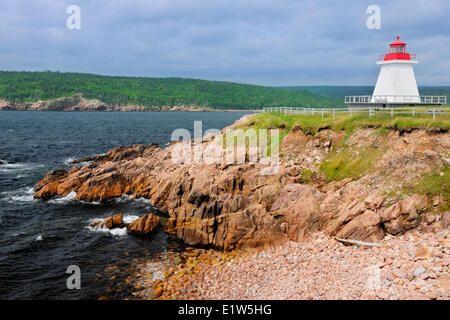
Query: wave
[[68, 161], [66, 199], [24, 194], [39, 238], [129, 198], [116, 231], [12, 167]]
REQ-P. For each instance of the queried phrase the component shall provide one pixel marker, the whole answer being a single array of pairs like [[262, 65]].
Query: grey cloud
[[252, 41]]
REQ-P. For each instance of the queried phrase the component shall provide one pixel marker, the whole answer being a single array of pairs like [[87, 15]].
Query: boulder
[[112, 222], [293, 193], [374, 201], [403, 215], [303, 220], [47, 187], [144, 225], [364, 227]]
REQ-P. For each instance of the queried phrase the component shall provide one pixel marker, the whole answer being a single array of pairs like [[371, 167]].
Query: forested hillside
[[34, 86]]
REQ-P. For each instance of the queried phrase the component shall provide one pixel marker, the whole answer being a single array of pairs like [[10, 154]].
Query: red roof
[[397, 43]]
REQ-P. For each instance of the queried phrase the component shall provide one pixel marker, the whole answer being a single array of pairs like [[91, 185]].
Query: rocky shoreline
[[414, 266], [232, 207], [78, 103]]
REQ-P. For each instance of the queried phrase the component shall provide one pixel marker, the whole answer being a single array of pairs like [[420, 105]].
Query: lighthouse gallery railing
[[396, 99]]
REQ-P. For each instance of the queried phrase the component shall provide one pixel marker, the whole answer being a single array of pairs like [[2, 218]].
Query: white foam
[[123, 198], [9, 167], [20, 195], [39, 238], [62, 200], [116, 231], [67, 161], [129, 218]]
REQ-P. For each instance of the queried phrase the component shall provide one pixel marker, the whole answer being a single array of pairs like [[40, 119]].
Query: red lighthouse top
[[397, 52]]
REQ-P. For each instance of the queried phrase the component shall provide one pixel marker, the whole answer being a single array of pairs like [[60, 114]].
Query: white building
[[396, 82], [396, 85]]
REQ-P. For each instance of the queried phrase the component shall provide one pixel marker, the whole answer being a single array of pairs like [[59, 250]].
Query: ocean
[[39, 240]]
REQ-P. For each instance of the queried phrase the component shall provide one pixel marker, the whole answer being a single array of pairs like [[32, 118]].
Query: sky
[[265, 42]]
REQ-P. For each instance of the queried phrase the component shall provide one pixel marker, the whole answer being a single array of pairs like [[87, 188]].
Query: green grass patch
[[435, 184], [307, 176], [350, 163], [313, 123]]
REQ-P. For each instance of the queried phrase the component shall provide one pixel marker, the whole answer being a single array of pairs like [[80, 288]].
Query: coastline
[[77, 103], [235, 210]]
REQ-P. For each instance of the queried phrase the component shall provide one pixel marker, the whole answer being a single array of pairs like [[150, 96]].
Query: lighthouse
[[396, 85], [396, 82]]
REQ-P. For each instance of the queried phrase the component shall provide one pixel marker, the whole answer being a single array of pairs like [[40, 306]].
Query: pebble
[[319, 268], [419, 271]]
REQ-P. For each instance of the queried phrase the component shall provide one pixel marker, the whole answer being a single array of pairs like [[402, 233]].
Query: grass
[[350, 163], [313, 123], [435, 184], [307, 176]]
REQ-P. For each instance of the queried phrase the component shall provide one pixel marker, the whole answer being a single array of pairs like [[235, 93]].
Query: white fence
[[440, 100], [370, 110]]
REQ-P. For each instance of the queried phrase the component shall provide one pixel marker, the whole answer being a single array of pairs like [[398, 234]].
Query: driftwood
[[359, 243]]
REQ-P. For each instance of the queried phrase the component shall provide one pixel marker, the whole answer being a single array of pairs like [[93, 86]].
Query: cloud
[[283, 42]]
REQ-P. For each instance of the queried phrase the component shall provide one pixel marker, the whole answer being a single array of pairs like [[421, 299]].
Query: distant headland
[[88, 92]]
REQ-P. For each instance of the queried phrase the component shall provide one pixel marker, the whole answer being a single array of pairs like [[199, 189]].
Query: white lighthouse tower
[[396, 85], [396, 82]]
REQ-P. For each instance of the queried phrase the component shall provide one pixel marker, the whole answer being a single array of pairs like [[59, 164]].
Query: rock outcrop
[[113, 222], [227, 206], [78, 103], [144, 226]]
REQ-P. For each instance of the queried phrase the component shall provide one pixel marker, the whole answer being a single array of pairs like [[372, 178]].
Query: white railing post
[[434, 113], [413, 112]]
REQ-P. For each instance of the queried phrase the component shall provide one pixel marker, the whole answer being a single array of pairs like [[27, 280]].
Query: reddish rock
[[445, 219], [144, 225], [374, 201], [364, 227], [47, 187], [403, 215], [115, 221], [227, 206], [424, 252]]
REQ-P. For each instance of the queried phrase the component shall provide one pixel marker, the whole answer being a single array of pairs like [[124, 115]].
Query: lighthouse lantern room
[[396, 85]]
